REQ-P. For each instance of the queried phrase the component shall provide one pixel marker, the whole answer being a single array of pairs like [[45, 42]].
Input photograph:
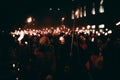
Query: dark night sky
[[16, 11]]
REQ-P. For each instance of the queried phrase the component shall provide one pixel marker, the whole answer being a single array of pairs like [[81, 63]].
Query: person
[[62, 57], [79, 60], [7, 45], [111, 54], [44, 64]]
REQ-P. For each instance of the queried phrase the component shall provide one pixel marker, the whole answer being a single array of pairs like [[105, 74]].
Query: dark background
[[15, 12]]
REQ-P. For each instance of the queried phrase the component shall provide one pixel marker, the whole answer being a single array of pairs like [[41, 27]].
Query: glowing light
[[26, 42], [13, 65], [106, 34], [106, 29], [93, 9], [72, 15], [102, 26], [29, 20], [84, 11], [34, 34], [58, 9], [92, 39], [39, 35], [101, 2], [63, 18], [21, 36], [18, 69], [83, 28], [17, 78], [62, 40], [98, 34], [52, 28], [101, 30], [101, 9], [118, 23], [93, 26], [77, 13], [110, 32], [19, 28], [93, 31], [33, 29], [66, 33], [88, 26], [76, 29], [81, 15], [13, 35], [50, 9], [59, 29], [88, 32]]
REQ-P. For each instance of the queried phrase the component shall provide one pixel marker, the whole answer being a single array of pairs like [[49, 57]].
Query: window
[[93, 9], [72, 15], [81, 12], [84, 11], [101, 8]]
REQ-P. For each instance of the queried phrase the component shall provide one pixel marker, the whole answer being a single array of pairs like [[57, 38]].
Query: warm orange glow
[[63, 18], [62, 40], [92, 39], [61, 29], [81, 14], [21, 36], [29, 20], [77, 13], [88, 26]]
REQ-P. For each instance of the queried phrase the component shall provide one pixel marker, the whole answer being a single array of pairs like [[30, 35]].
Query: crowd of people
[[59, 57]]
